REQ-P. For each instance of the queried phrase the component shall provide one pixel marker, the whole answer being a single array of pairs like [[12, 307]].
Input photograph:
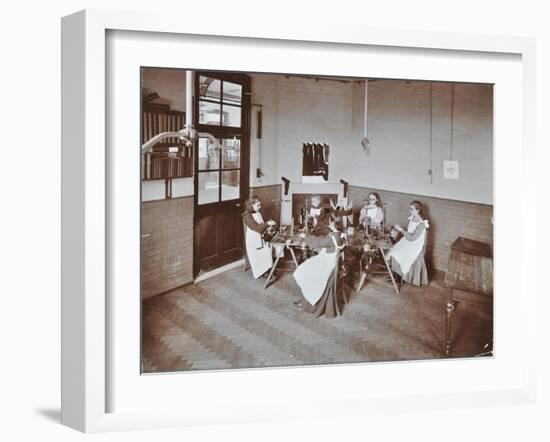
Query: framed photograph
[[268, 224]]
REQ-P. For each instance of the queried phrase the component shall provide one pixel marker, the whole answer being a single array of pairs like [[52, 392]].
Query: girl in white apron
[[315, 211], [259, 252], [407, 255], [372, 214], [315, 276]]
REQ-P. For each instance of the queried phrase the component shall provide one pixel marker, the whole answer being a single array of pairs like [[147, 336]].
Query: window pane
[[209, 155], [231, 157], [232, 93], [231, 116], [230, 185], [210, 88], [209, 113], [209, 185]]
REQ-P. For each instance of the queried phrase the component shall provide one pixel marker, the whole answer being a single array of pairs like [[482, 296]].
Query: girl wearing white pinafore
[[259, 252], [407, 255], [372, 213], [315, 276]]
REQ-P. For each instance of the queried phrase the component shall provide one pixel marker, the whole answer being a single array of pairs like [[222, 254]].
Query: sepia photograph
[[293, 219]]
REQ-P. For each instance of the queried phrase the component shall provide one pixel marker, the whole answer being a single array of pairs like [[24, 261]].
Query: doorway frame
[[220, 132]]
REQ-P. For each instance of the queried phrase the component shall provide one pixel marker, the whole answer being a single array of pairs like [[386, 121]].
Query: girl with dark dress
[[316, 275], [258, 252], [407, 255]]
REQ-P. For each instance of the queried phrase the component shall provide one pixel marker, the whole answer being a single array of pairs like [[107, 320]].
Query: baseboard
[[219, 270]]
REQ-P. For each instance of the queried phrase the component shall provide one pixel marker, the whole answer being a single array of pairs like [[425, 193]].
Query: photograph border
[[85, 200]]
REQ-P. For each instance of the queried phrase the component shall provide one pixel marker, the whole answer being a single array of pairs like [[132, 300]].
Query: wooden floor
[[230, 321]]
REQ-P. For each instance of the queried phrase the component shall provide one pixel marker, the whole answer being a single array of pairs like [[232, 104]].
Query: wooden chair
[[337, 276], [383, 223], [422, 253], [245, 254]]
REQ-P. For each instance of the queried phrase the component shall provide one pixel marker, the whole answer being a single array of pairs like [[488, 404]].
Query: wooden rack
[[170, 158]]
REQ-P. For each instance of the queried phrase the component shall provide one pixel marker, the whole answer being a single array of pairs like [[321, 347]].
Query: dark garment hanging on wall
[[320, 165], [307, 162], [315, 160]]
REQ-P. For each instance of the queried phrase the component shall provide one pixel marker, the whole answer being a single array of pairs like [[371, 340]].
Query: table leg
[[361, 280], [293, 257], [450, 306], [388, 268], [271, 272]]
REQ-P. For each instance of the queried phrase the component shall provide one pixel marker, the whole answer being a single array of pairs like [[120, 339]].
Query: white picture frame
[[87, 204]]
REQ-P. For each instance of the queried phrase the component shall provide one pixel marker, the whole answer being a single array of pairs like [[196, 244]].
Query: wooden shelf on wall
[[170, 158], [160, 165]]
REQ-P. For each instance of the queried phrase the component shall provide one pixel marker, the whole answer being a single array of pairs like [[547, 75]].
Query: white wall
[[399, 128], [265, 91], [399, 134], [297, 110], [168, 83]]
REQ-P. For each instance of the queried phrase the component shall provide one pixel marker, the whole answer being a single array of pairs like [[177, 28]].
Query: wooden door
[[222, 108]]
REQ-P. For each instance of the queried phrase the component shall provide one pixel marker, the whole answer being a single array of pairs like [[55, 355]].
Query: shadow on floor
[[51, 414]]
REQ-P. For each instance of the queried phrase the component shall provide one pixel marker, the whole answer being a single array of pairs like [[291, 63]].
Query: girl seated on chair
[[259, 253], [315, 211], [371, 214], [316, 275], [343, 210], [407, 255]]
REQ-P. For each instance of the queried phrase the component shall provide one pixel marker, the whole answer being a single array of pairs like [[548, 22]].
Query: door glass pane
[[231, 157], [209, 155], [231, 116], [230, 184], [232, 93], [210, 88], [209, 113], [209, 185]]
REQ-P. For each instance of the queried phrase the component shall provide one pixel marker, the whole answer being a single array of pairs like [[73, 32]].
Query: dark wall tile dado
[[270, 196], [166, 245], [167, 239], [167, 230]]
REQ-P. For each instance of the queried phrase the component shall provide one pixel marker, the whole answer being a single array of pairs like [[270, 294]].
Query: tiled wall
[[315, 111], [166, 244], [412, 127], [448, 220], [271, 200]]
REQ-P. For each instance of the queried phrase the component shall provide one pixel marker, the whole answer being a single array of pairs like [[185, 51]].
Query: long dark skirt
[[417, 274], [327, 304]]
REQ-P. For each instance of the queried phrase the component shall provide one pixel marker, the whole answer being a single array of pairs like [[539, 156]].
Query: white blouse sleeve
[[379, 218]]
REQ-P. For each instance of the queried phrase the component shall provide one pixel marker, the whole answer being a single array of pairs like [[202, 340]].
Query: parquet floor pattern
[[230, 321]]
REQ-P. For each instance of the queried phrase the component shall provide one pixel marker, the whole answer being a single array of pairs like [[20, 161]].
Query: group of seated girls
[[315, 276]]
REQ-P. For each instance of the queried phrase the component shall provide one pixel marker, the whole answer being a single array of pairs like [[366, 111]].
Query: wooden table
[[278, 242], [357, 243], [470, 269]]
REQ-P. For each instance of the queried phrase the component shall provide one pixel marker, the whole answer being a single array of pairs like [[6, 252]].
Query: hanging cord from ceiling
[[430, 112], [452, 119], [365, 141]]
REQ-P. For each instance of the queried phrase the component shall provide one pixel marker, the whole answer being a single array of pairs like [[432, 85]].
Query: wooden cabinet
[[470, 269]]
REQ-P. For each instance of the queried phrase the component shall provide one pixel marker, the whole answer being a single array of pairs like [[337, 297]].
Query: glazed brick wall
[[407, 140], [318, 111], [271, 200], [448, 220], [166, 245]]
